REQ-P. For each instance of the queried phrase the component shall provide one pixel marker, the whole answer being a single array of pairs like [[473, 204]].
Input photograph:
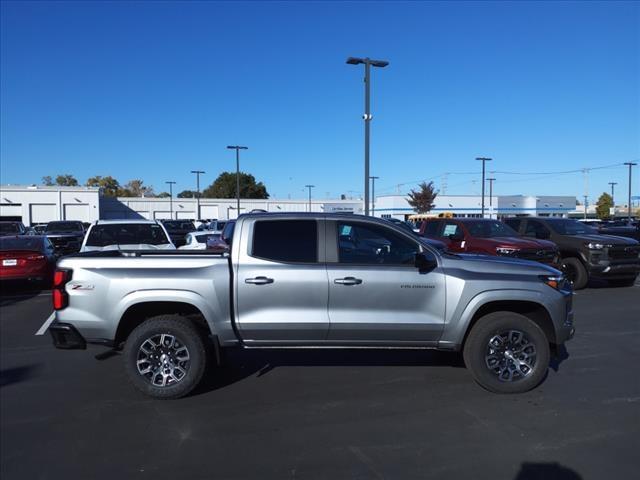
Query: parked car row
[[580, 251]]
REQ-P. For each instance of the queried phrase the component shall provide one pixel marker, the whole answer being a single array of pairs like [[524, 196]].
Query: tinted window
[[21, 243], [431, 228], [204, 238], [126, 234], [535, 229], [9, 228], [567, 226], [286, 240], [65, 227], [227, 233], [179, 225], [489, 228], [513, 223], [374, 245]]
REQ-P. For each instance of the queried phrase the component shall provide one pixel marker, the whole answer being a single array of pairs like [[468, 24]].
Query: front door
[[281, 284], [376, 294]]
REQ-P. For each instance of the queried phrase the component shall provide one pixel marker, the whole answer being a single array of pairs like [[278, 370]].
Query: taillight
[[59, 294]]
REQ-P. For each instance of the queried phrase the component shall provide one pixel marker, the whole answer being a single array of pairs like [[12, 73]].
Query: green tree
[[603, 206], [422, 199], [66, 180], [109, 185], [135, 188], [47, 180], [164, 195], [188, 194], [225, 187]]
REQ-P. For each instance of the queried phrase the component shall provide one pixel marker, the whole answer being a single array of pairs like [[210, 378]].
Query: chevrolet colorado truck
[[585, 253], [311, 280]]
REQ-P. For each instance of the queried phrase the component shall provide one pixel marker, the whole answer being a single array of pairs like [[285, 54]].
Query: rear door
[[281, 283], [376, 294]]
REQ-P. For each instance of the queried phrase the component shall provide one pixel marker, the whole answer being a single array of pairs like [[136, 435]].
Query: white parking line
[[46, 324]]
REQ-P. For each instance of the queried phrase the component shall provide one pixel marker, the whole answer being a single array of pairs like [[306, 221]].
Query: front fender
[[456, 328]]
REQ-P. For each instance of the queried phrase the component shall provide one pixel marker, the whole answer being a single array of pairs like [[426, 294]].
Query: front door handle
[[348, 281], [258, 280]]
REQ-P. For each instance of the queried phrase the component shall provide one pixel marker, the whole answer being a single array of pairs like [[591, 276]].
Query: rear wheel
[[507, 353], [165, 357], [575, 272]]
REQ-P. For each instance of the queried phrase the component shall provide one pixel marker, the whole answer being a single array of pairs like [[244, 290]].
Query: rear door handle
[[258, 280], [348, 281]]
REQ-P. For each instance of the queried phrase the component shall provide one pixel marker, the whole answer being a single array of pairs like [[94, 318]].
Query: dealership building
[[40, 204]]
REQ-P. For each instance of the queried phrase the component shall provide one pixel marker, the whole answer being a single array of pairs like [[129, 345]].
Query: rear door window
[[288, 241], [451, 228]]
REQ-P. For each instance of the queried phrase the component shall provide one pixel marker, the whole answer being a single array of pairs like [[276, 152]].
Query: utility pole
[[373, 195], [491, 180], [630, 164], [368, 63], [613, 184], [197, 172], [483, 160], [309, 187], [237, 148], [171, 183]]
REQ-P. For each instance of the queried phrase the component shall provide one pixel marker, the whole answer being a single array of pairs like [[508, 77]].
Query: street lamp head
[[374, 63], [485, 159], [354, 61], [237, 147], [197, 171], [379, 63]]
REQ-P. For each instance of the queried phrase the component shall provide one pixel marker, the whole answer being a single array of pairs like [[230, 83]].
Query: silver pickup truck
[[312, 280]]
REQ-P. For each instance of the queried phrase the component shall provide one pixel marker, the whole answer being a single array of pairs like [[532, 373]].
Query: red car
[[489, 237], [27, 258], [222, 244]]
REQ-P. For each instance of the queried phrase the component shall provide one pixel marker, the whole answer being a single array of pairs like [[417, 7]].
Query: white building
[[397, 206], [39, 204]]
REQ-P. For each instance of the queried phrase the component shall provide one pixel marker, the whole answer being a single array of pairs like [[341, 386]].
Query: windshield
[[21, 243], [9, 228], [489, 229], [179, 225], [567, 226], [65, 227], [126, 234], [204, 238]]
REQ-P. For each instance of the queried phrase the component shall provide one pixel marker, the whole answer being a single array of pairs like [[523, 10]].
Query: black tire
[[479, 353], [574, 270], [623, 282], [186, 358]]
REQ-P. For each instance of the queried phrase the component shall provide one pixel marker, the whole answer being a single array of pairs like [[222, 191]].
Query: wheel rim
[[570, 272], [510, 355], [163, 359]]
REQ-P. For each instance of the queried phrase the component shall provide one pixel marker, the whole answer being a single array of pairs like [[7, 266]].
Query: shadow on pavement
[[17, 374], [18, 291], [546, 471], [238, 363]]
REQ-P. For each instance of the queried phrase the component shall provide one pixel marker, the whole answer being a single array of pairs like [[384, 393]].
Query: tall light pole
[[613, 184], [491, 180], [483, 160], [368, 63], [171, 183], [309, 187], [197, 172], [237, 148], [630, 164], [373, 195], [586, 199]]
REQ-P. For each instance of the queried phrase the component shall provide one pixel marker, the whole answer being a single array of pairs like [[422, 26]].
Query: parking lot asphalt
[[321, 414]]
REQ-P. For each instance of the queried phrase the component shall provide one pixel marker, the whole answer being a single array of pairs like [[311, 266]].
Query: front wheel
[[507, 353], [165, 357], [575, 272]]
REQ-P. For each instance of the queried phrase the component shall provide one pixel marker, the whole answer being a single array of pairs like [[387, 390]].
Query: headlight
[[596, 246], [505, 250], [557, 282]]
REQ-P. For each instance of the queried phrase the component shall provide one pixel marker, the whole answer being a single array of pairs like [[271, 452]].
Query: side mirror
[[456, 237], [425, 264]]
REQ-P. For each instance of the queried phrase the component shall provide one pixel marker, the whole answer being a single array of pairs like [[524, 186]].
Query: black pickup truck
[[66, 236], [584, 252], [178, 229]]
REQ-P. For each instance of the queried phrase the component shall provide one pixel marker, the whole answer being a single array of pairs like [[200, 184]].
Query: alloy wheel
[[163, 359], [510, 355]]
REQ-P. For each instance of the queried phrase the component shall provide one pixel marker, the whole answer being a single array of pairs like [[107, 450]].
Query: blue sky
[[153, 90]]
